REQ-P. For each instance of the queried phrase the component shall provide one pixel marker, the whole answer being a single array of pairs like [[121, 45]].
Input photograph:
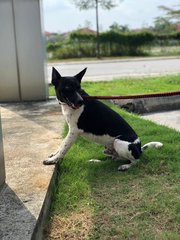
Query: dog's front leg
[[65, 146]]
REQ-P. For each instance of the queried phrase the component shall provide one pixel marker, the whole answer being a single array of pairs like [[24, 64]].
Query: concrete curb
[[38, 232], [130, 59], [147, 105]]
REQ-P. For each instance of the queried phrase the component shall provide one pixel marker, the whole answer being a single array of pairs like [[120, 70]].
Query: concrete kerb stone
[[39, 229], [129, 59], [147, 105]]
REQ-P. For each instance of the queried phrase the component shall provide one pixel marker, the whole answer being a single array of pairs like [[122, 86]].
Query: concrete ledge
[[147, 105], [38, 232], [31, 132]]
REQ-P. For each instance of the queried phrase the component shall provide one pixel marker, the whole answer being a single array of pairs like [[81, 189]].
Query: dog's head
[[68, 88]]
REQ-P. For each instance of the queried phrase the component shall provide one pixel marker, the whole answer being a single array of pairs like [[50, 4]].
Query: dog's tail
[[152, 145]]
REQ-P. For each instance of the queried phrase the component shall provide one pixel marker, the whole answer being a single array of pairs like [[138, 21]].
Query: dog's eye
[[68, 88]]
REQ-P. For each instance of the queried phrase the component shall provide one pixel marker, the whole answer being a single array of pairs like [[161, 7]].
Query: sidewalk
[[169, 118], [31, 131]]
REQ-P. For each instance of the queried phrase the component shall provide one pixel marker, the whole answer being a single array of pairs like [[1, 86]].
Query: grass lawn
[[95, 201], [130, 86]]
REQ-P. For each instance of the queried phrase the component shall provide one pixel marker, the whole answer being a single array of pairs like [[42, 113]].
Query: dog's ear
[[80, 75], [55, 77]]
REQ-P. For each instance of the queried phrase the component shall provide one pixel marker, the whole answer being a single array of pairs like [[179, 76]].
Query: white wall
[[22, 51], [8, 65]]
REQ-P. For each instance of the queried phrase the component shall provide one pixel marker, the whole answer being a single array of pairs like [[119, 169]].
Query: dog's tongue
[[76, 106]]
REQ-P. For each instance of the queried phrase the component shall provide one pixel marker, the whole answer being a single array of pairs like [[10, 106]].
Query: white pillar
[[22, 76], [2, 167]]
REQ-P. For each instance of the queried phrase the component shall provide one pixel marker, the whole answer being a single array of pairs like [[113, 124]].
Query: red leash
[[151, 95]]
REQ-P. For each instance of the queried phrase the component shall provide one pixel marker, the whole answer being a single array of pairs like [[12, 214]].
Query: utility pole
[[97, 30]]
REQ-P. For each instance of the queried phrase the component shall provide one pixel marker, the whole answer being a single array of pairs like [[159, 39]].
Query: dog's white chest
[[71, 115]]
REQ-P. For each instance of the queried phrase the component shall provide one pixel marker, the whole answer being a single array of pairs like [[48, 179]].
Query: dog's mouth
[[73, 106], [70, 104]]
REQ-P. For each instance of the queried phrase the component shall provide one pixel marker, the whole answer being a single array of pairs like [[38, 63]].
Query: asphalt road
[[109, 69]]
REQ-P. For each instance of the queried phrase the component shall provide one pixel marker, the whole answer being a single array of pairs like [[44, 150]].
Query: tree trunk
[[97, 32]]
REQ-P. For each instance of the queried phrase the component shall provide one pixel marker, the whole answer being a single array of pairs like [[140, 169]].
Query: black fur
[[105, 121]]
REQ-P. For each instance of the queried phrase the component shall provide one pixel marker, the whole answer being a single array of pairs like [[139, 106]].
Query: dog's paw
[[51, 155], [124, 167], [94, 161], [49, 162]]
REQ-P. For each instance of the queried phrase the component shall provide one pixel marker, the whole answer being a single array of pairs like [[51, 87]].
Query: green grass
[[130, 86], [95, 201]]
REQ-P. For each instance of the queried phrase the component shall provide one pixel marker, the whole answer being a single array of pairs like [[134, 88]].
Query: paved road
[[109, 69]]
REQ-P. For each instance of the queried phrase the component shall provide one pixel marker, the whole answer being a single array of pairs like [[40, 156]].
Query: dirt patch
[[75, 226]]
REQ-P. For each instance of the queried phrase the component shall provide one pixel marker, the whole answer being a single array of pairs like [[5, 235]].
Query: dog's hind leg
[[126, 151], [110, 152], [125, 167]]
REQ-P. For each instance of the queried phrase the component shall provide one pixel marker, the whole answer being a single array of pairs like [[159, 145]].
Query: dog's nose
[[80, 102]]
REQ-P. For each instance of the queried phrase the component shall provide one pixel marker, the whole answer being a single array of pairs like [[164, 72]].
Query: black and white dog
[[96, 121]]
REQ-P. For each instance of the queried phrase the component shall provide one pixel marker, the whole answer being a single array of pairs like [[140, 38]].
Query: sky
[[62, 15]]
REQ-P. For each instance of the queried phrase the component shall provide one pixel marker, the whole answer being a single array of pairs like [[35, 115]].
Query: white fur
[[121, 148], [152, 145]]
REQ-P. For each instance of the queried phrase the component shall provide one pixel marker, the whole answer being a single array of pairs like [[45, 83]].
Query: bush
[[116, 43], [112, 43]]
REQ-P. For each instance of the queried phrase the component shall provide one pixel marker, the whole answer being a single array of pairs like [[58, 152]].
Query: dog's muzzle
[[75, 103]]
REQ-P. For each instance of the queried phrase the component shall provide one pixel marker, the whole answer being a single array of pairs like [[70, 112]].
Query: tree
[[168, 22], [171, 14], [88, 4], [163, 25], [119, 28]]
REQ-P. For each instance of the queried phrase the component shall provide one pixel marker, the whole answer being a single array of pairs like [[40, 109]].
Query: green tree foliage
[[119, 28], [163, 25], [172, 13], [87, 4], [167, 23]]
